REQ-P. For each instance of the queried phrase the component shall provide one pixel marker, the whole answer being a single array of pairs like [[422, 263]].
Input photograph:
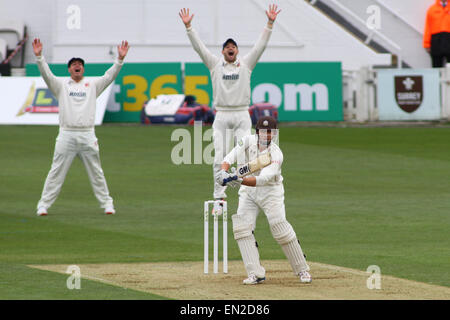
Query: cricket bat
[[262, 161]]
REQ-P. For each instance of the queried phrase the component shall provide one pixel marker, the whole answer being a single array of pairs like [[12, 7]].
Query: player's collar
[[264, 149], [236, 62], [73, 81]]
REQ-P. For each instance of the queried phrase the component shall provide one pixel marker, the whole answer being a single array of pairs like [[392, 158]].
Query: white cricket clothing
[[246, 150], [269, 191], [231, 96], [245, 239], [227, 127], [70, 144], [268, 195], [77, 100], [284, 234], [77, 104], [230, 81]]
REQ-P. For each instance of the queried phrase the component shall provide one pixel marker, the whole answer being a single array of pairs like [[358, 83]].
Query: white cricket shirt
[[246, 150], [77, 100], [230, 81]]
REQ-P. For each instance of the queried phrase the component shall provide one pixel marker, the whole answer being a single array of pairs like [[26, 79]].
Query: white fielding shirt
[[246, 150], [77, 100], [230, 81]]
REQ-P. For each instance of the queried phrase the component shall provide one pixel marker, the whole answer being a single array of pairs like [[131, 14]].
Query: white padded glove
[[221, 177], [236, 181]]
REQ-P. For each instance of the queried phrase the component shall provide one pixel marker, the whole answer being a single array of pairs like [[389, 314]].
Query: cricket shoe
[[305, 277], [41, 211], [253, 279], [110, 210]]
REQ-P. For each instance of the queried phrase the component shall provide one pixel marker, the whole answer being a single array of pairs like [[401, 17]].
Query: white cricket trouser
[[269, 198], [69, 144], [228, 128]]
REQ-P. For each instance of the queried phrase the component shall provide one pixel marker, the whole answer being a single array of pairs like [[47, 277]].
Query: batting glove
[[235, 180], [222, 177]]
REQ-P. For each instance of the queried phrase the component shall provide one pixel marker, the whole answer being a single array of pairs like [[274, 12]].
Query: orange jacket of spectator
[[437, 21]]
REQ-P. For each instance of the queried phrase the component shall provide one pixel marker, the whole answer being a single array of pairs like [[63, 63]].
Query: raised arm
[[53, 83], [255, 53], [207, 57], [103, 82]]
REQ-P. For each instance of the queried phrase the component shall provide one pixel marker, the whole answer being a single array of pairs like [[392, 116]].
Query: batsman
[[261, 189]]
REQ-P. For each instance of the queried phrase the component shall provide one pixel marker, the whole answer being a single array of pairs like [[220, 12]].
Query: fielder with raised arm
[[230, 77], [77, 103], [264, 190]]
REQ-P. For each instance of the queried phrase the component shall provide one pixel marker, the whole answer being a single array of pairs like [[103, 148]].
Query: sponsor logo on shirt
[[77, 94], [230, 76]]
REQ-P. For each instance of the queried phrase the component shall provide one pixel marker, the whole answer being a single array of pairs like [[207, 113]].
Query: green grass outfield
[[355, 196]]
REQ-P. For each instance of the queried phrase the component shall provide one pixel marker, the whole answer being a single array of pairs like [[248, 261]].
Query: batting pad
[[247, 246], [250, 256], [241, 228], [284, 234]]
